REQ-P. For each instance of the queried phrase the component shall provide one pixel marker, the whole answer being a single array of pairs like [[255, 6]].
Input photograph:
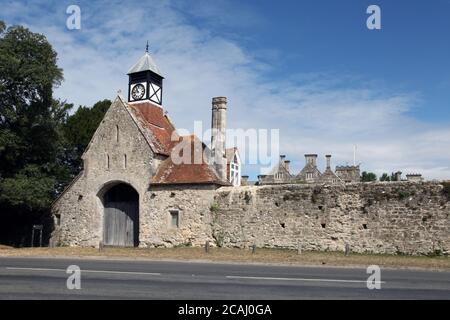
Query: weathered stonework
[[193, 204], [410, 218], [80, 210]]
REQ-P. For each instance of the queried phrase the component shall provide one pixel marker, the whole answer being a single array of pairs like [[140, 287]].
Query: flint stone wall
[[400, 217]]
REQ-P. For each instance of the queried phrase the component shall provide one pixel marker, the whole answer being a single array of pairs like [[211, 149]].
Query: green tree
[[393, 177], [368, 176], [385, 177], [30, 126]]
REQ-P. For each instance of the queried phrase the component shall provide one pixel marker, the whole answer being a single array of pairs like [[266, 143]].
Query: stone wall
[[195, 220], [411, 218]]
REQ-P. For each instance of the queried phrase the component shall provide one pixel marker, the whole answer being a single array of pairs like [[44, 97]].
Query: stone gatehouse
[[142, 184]]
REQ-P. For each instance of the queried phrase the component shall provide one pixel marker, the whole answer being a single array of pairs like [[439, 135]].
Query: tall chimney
[[328, 156], [282, 157], [311, 158], [218, 135], [287, 165]]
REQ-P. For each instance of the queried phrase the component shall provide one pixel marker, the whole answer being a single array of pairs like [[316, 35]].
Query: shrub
[[247, 197], [446, 189], [219, 237], [214, 208], [402, 194]]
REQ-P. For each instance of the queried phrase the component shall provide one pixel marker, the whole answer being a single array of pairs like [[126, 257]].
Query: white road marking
[[87, 271], [300, 279], [228, 277]]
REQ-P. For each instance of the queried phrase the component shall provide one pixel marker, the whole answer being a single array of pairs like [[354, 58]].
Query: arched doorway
[[121, 216]]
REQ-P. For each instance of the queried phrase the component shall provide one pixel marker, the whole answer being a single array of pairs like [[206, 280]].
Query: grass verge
[[272, 256]]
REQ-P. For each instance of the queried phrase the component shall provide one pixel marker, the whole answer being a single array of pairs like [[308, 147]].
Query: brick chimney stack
[[312, 159], [328, 156], [287, 165], [218, 135]]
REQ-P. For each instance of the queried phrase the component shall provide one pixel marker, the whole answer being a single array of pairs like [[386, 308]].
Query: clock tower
[[145, 81]]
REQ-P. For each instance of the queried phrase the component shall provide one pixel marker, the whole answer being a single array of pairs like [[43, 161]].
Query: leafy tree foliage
[[385, 177], [30, 122], [368, 176], [40, 144]]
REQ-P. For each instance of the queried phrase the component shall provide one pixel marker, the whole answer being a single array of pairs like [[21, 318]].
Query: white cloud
[[320, 113]]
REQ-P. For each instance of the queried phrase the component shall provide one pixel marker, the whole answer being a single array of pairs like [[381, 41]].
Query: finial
[[146, 48]]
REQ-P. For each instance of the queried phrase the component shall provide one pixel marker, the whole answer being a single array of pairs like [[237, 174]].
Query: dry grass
[[272, 256]]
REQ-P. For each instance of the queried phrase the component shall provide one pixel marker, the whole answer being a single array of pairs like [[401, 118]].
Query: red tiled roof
[[195, 172], [156, 126], [158, 131]]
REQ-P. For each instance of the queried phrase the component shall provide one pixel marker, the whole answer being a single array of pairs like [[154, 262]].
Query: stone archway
[[121, 216]]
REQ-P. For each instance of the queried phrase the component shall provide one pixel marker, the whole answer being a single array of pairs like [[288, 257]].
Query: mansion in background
[[310, 173]]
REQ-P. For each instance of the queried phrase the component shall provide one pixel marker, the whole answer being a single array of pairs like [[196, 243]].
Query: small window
[[117, 133], [107, 161], [124, 161], [58, 219], [323, 225], [174, 218]]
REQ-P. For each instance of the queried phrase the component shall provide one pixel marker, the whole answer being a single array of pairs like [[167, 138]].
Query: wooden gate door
[[121, 221]]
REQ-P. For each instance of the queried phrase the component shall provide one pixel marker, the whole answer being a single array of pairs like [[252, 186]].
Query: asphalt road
[[36, 278]]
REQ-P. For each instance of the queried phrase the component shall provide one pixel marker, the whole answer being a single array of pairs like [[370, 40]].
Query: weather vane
[[146, 48]]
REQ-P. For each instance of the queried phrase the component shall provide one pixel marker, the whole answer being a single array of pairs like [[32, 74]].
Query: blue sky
[[309, 68]]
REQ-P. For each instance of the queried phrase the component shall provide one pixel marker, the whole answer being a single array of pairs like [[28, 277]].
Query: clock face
[[138, 92]]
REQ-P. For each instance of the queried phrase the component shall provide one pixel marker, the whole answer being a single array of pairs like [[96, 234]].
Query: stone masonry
[[79, 210], [401, 217]]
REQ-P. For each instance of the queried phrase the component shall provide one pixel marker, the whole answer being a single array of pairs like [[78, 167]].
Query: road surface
[[45, 278]]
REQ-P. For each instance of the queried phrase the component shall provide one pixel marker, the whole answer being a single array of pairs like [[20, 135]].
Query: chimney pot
[[286, 164], [219, 102], [311, 158], [328, 156]]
